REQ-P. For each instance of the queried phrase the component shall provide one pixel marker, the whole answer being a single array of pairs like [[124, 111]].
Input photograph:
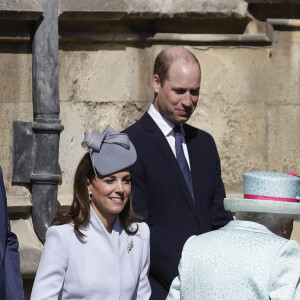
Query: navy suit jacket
[[11, 286], [161, 195]]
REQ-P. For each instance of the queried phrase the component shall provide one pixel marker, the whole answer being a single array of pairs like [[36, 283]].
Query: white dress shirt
[[99, 266], [167, 129]]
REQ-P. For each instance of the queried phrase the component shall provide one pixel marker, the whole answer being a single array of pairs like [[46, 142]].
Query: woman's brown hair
[[79, 212]]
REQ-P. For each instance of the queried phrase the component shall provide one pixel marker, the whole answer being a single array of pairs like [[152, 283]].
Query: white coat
[[101, 266]]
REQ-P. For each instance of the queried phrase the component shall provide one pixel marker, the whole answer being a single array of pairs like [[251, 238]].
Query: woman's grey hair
[[274, 222]]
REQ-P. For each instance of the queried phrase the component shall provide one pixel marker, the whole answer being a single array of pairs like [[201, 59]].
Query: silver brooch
[[130, 246]]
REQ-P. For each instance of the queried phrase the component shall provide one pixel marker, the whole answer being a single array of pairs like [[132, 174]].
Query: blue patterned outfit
[[242, 260]]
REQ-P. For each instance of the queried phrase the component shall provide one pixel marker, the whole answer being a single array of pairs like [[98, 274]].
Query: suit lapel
[[193, 157], [197, 161], [193, 152], [158, 138]]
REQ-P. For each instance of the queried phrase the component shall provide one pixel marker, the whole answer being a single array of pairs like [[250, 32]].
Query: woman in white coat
[[96, 251]]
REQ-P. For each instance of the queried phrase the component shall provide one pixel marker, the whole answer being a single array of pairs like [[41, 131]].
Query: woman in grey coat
[[96, 250]]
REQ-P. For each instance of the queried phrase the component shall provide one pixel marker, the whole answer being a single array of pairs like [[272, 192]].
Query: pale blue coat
[[243, 260], [101, 266]]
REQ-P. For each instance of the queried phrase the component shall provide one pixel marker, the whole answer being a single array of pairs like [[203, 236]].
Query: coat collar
[[247, 226], [96, 225]]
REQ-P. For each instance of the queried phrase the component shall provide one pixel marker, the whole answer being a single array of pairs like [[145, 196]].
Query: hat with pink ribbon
[[268, 192]]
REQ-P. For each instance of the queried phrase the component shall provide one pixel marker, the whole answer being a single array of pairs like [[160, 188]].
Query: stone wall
[[249, 99]]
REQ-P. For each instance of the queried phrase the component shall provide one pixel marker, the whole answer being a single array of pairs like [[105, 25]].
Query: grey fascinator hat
[[110, 150]]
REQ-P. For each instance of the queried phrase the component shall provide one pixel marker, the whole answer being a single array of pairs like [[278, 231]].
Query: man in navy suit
[[177, 185], [11, 286]]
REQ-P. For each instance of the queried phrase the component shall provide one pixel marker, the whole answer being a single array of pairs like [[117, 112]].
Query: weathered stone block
[[105, 74], [233, 75], [284, 138], [283, 72], [252, 74], [30, 247], [15, 73], [240, 132], [15, 9], [90, 8]]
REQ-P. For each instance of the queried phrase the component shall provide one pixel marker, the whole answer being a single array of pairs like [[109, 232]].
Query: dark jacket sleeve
[[12, 276]]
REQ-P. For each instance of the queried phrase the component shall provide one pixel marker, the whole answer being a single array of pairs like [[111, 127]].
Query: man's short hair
[[165, 59]]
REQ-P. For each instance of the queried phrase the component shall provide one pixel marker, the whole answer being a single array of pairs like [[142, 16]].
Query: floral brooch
[[130, 246]]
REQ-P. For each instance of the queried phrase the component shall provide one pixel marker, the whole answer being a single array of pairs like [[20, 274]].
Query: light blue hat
[[110, 150], [268, 192]]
